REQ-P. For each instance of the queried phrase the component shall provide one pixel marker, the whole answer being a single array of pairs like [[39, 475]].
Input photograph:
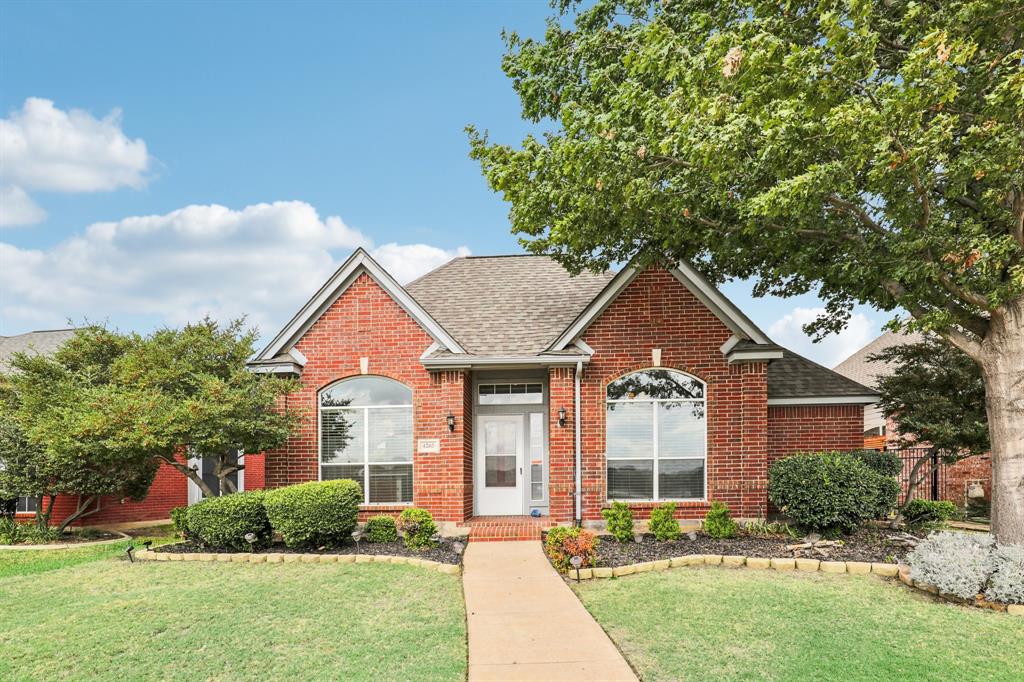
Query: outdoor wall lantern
[[561, 417], [451, 421]]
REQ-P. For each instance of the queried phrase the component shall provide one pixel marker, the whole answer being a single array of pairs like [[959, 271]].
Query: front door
[[499, 466]]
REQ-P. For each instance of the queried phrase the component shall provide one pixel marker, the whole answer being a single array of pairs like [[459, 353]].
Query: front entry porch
[[507, 528]]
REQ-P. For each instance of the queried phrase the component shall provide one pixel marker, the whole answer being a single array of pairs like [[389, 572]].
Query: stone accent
[[858, 567], [273, 558], [758, 562], [733, 560], [783, 564], [833, 566], [1015, 609], [888, 570], [712, 559], [807, 564], [661, 564], [602, 572]]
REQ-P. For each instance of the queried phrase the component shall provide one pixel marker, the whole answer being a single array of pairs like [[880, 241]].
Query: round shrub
[[564, 542], [418, 528], [1007, 581], [921, 513], [380, 529], [830, 491], [884, 463], [718, 523], [620, 521], [315, 514], [223, 522], [663, 522]]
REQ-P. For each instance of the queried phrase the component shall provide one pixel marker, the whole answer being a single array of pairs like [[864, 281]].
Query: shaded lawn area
[[222, 621], [742, 624], [28, 561]]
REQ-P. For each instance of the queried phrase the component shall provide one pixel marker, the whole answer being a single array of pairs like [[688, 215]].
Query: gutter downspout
[[579, 454]]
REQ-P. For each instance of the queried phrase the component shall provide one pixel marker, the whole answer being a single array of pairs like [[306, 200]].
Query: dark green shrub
[[884, 463], [223, 522], [380, 529], [620, 521], [718, 523], [663, 522], [830, 491], [564, 542], [920, 513], [314, 514], [178, 518], [418, 528]]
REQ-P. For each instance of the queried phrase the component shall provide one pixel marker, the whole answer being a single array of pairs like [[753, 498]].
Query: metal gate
[[935, 474]]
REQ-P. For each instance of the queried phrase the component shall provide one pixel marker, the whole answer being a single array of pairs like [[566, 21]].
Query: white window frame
[[19, 510], [655, 445], [365, 463]]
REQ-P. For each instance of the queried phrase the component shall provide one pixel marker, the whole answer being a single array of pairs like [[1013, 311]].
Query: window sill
[[691, 501], [385, 506]]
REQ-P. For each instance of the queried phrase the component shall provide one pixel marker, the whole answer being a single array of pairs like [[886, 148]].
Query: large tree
[[870, 150], [49, 443], [186, 394], [935, 395]]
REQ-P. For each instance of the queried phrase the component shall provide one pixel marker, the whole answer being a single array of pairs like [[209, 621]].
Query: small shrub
[[718, 523], [663, 522], [178, 518], [830, 491], [1007, 581], [956, 563], [620, 521], [380, 529], [223, 522], [884, 463], [922, 513], [564, 542], [314, 514], [761, 528], [418, 528]]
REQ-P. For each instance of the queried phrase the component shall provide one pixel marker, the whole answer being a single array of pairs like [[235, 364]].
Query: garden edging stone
[[250, 558]]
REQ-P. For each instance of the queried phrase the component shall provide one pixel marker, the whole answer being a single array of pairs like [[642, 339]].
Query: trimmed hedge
[[830, 491], [418, 527], [223, 522], [884, 463], [380, 529], [921, 513], [316, 514]]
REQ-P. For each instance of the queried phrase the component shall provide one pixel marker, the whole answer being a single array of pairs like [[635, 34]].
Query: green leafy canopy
[[873, 150]]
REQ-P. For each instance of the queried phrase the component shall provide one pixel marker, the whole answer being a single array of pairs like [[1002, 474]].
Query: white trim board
[[359, 262], [724, 309], [833, 400]]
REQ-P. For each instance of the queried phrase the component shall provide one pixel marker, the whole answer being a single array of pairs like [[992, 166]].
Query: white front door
[[499, 466]]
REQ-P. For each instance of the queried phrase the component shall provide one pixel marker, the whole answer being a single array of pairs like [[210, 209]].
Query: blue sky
[[135, 122]]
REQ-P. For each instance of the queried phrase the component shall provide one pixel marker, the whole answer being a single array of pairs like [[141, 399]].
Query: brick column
[[754, 441], [439, 479], [561, 445]]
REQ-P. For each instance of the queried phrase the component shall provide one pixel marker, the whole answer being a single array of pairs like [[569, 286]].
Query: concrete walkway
[[526, 624]]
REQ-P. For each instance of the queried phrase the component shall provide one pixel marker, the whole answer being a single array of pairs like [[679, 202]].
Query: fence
[[934, 474]]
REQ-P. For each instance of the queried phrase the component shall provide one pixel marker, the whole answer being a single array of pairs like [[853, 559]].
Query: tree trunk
[[43, 511], [190, 473], [1002, 365], [81, 510]]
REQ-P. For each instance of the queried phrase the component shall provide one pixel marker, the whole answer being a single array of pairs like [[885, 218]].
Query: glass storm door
[[499, 466]]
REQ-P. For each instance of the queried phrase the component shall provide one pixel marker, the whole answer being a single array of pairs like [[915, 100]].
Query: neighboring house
[[169, 490], [504, 386], [955, 480]]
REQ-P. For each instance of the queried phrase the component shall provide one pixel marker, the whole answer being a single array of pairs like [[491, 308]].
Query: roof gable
[[358, 263], [695, 283]]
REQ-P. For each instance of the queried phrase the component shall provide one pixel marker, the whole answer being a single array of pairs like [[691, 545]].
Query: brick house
[[170, 488], [503, 386]]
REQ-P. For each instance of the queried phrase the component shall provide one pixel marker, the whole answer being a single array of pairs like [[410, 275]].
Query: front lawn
[[14, 562], [740, 624], [223, 621]]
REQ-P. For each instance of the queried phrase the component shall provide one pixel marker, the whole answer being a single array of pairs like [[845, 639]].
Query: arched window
[[656, 436], [366, 435]]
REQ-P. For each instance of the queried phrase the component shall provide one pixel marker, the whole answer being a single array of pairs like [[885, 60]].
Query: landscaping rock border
[[886, 570], [292, 557], [67, 545]]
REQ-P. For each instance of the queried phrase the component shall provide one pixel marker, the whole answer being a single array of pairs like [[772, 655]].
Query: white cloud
[[833, 349], [47, 149], [17, 207], [264, 260]]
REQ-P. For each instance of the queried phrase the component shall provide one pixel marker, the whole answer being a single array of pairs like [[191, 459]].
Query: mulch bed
[[867, 544], [444, 553]]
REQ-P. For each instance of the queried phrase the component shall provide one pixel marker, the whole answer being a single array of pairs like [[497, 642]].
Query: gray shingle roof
[[505, 305], [857, 366], [794, 376], [42, 342]]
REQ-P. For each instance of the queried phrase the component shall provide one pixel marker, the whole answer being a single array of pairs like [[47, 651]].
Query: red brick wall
[[255, 472], [366, 322], [169, 490], [657, 311], [810, 428]]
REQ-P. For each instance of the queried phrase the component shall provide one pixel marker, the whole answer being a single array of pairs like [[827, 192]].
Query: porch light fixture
[[451, 421], [561, 417]]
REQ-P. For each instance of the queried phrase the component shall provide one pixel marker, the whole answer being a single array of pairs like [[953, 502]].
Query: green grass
[[30, 561], [736, 624], [111, 620]]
